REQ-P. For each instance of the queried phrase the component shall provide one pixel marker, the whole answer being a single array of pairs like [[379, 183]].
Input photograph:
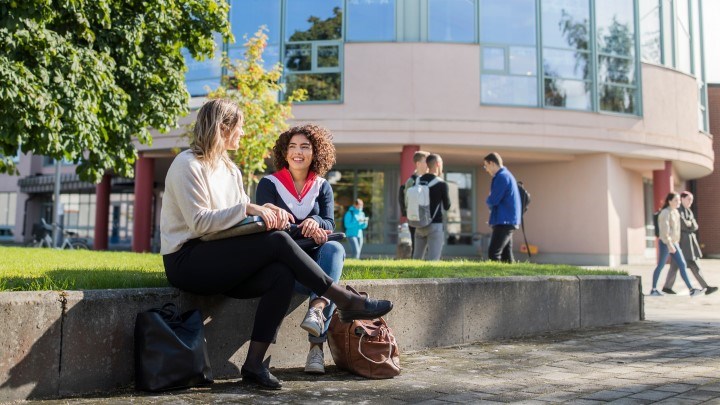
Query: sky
[[711, 25]]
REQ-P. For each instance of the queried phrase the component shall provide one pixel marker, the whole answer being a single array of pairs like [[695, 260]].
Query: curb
[[65, 343]]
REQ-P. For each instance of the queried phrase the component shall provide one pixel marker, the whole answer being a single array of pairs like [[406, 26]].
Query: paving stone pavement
[[670, 358]]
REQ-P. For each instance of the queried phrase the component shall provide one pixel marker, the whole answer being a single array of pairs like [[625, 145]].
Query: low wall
[[57, 344]]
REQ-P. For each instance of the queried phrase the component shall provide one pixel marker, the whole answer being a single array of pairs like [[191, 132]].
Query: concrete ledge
[[63, 343]]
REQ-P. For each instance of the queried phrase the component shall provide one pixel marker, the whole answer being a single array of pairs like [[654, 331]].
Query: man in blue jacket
[[504, 205]]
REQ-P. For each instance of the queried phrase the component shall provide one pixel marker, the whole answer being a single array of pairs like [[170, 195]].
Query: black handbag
[[170, 350]]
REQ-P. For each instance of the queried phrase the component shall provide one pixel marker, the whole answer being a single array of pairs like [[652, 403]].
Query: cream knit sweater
[[198, 201]]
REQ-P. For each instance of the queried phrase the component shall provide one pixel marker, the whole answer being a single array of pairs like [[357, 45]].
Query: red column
[[102, 213], [142, 210], [662, 184]]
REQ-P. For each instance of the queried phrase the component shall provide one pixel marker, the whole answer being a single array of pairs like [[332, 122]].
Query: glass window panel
[[617, 99], [507, 21], [271, 55], [650, 30], [246, 16], [493, 58], [12, 210], [566, 23], [370, 20], [459, 217], [682, 30], [667, 30], [320, 87], [202, 87], [313, 20], [328, 56], [298, 57], [566, 64], [616, 70], [615, 32], [509, 90], [451, 21], [568, 93], [523, 61], [697, 51], [4, 208]]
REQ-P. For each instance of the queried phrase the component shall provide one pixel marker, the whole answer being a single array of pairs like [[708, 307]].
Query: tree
[[81, 79], [256, 91]]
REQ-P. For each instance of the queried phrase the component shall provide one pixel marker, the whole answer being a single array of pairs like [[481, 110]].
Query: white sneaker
[[695, 291], [315, 363], [314, 321], [655, 293]]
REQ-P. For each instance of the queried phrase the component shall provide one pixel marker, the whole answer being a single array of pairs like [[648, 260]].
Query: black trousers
[[262, 265], [501, 244]]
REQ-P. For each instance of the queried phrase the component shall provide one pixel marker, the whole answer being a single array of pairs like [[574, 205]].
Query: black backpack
[[524, 197], [655, 223]]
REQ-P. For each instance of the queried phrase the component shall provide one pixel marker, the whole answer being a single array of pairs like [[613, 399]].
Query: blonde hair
[[214, 118]]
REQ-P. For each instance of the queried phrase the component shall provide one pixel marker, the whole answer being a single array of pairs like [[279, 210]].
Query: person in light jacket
[[668, 244], [688, 245], [355, 221]]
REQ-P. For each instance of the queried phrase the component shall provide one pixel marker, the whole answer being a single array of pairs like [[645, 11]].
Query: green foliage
[[256, 90], [81, 79], [321, 30]]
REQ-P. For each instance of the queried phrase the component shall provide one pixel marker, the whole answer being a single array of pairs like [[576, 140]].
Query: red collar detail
[[286, 179]]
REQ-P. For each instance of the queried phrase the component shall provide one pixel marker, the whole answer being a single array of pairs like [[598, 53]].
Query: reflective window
[[313, 20], [617, 99], [682, 31], [451, 21], [509, 74], [313, 48], [568, 93], [566, 23], [8, 207], [370, 20], [614, 25], [246, 17], [668, 36], [650, 30], [493, 58], [510, 90], [507, 21], [320, 87], [616, 70], [203, 75], [696, 35], [567, 64], [459, 226]]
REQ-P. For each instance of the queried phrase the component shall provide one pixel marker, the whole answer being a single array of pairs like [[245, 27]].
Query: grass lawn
[[32, 269]]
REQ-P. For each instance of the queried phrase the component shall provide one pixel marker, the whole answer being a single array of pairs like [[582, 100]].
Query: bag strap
[[169, 312], [391, 343]]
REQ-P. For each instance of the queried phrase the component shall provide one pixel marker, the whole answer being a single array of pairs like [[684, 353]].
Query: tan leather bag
[[364, 347]]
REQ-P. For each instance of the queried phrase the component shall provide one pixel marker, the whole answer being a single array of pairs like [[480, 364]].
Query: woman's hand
[[284, 217], [269, 216], [320, 235], [309, 227], [671, 248]]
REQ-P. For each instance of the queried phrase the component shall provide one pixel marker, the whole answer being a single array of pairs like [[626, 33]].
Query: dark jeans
[[501, 244], [262, 265]]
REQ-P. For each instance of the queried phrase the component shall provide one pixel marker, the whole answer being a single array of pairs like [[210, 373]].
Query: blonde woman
[[204, 194], [669, 223]]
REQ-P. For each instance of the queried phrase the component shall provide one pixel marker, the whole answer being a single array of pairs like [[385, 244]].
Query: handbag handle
[[390, 346]]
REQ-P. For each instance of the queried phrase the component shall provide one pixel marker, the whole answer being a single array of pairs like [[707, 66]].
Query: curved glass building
[[599, 107]]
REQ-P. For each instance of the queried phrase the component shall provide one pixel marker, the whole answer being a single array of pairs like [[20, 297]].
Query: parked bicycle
[[42, 237]]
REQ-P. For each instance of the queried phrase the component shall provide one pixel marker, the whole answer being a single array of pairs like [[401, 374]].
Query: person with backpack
[[668, 244], [505, 208], [688, 245], [419, 158], [427, 198]]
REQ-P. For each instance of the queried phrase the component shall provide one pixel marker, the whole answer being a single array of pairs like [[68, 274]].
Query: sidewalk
[[672, 357]]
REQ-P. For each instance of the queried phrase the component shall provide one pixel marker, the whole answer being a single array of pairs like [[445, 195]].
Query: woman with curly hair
[[302, 155], [203, 194]]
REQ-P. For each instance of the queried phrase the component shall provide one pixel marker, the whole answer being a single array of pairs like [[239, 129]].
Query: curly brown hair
[[321, 140]]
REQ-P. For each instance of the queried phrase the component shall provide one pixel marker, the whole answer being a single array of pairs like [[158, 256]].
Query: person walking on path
[[302, 155], [420, 160], [355, 221], [688, 245], [668, 244], [204, 193], [505, 208], [431, 239]]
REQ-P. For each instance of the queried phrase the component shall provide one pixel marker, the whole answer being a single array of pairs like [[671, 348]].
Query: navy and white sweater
[[317, 204]]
